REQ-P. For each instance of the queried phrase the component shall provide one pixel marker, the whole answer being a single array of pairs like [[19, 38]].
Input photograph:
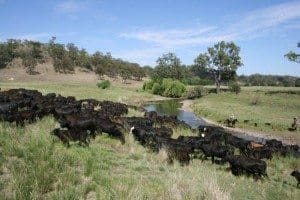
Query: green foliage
[[104, 84], [157, 89], [66, 57], [31, 54], [234, 87], [222, 57], [166, 87], [292, 56], [147, 86], [197, 81], [8, 51], [172, 88], [196, 92], [267, 80], [297, 83], [168, 66]]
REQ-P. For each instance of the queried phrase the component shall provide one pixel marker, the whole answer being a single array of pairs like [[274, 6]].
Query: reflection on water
[[172, 107]]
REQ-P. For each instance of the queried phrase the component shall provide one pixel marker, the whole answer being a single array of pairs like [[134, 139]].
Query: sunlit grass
[[38, 166], [35, 165], [257, 107]]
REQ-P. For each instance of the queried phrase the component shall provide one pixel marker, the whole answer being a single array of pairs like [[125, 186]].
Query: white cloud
[[251, 25], [41, 36]]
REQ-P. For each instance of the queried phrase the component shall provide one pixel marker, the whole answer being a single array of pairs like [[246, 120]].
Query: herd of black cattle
[[81, 120]]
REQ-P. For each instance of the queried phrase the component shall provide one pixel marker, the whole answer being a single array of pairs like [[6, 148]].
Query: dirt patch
[[15, 72]]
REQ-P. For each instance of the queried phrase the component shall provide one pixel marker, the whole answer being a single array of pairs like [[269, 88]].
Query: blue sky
[[141, 31]]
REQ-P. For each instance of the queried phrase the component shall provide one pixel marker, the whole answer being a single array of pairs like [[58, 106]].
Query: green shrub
[[104, 84], [166, 83], [148, 85], [235, 87], [167, 87], [197, 81], [196, 92], [157, 89], [173, 89]]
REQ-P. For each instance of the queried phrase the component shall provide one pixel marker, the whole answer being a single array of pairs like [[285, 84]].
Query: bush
[[196, 92], [104, 84], [148, 85], [157, 89], [173, 89], [235, 87], [167, 87], [197, 81]]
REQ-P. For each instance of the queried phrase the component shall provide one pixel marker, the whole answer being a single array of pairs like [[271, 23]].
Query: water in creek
[[172, 107]]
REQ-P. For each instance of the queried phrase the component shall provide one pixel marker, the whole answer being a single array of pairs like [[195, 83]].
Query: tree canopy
[[219, 60], [292, 56], [168, 66]]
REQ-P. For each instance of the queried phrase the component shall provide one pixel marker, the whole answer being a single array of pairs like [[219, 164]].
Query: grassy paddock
[[255, 105], [35, 165], [117, 92]]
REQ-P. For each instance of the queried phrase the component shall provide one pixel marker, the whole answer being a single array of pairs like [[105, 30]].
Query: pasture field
[[261, 105], [129, 94], [36, 165]]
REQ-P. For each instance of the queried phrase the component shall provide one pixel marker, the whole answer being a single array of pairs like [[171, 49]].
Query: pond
[[172, 107]]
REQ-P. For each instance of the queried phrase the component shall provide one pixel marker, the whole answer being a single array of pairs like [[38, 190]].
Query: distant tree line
[[217, 65], [269, 80], [66, 57]]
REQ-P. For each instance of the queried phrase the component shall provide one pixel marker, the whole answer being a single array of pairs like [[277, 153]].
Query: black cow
[[240, 164], [296, 174]]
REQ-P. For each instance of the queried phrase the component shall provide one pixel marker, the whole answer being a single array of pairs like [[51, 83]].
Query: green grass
[[129, 95], [256, 106], [36, 165]]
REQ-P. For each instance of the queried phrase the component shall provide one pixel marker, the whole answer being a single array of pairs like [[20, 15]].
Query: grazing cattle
[[260, 153], [296, 174], [137, 122], [193, 141], [71, 134], [170, 120], [239, 143], [240, 164], [151, 114], [218, 151], [275, 144], [175, 148], [254, 145], [81, 121]]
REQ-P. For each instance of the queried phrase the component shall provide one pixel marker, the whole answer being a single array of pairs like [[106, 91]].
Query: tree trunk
[[218, 82]]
